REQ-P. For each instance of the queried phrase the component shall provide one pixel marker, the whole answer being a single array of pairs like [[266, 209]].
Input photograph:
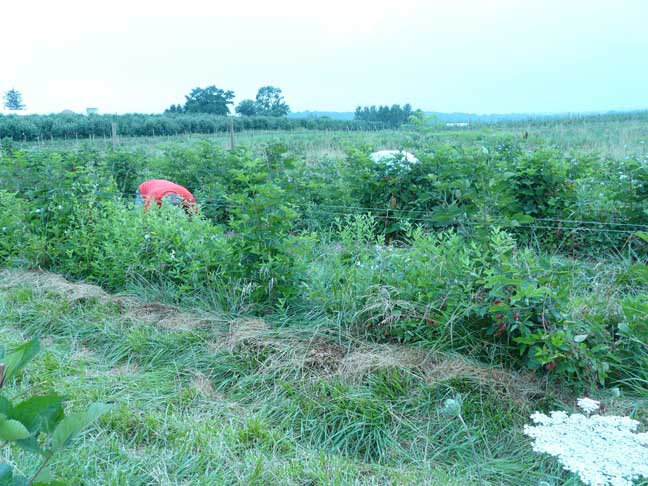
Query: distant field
[[608, 135]]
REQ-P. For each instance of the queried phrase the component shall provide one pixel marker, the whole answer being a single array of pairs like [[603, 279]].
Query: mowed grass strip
[[239, 401]]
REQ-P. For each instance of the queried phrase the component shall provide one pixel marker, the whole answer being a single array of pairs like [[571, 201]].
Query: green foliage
[[540, 184], [38, 424], [117, 245], [270, 102], [74, 127], [393, 116], [524, 306], [208, 100], [17, 238], [126, 169], [262, 218], [247, 108], [402, 253], [393, 289]]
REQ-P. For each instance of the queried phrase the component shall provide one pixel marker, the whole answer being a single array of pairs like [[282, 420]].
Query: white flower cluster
[[601, 450], [588, 405]]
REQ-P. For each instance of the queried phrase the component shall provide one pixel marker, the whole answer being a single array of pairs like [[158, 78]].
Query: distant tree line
[[392, 116], [71, 126], [269, 102]]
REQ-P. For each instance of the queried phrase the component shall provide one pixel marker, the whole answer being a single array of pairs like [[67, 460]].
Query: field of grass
[[202, 398], [309, 326]]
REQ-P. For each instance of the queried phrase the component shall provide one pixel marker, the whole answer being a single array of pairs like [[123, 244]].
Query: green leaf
[[71, 425], [5, 474], [45, 478], [19, 357], [11, 430], [30, 444], [41, 413], [526, 340], [19, 481], [643, 236], [521, 218], [579, 338], [5, 407]]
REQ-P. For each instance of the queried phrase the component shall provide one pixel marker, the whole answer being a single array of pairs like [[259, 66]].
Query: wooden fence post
[[231, 134], [114, 136]]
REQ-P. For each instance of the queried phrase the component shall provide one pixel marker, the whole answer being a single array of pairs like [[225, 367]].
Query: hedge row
[[70, 126]]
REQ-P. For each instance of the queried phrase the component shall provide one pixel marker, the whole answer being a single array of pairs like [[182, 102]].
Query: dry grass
[[312, 355], [369, 358], [133, 309], [167, 317], [50, 282], [204, 386]]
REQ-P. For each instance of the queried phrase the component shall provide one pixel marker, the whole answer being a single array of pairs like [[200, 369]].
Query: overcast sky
[[483, 56]]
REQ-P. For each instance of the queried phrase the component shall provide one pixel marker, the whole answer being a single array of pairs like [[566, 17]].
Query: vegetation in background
[[210, 100], [269, 102], [392, 117], [79, 127]]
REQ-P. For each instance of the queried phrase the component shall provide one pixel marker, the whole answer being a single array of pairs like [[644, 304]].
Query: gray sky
[[478, 56]]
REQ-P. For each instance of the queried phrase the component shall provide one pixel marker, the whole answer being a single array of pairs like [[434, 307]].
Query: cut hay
[[369, 359], [50, 282], [157, 314]]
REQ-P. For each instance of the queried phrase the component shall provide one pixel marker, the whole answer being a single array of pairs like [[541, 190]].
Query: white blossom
[[601, 450], [588, 405]]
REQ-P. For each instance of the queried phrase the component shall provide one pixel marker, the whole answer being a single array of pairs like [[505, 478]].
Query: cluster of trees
[[269, 102], [392, 117], [212, 100], [71, 126]]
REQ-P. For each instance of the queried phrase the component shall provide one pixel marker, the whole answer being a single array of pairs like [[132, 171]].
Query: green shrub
[[17, 240], [37, 424], [155, 246]]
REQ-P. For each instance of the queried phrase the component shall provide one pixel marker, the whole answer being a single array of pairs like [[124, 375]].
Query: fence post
[[231, 134], [114, 136]]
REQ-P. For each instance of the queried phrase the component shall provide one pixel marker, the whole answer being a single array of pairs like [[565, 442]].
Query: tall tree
[[209, 100], [13, 100], [270, 102], [247, 108]]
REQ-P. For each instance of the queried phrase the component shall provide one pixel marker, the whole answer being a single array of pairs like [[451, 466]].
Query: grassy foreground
[[210, 399]]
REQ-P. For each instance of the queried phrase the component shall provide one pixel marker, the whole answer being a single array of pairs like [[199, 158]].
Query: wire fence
[[432, 217]]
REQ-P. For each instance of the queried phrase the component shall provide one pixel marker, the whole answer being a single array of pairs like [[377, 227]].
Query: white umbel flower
[[588, 405], [601, 450]]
